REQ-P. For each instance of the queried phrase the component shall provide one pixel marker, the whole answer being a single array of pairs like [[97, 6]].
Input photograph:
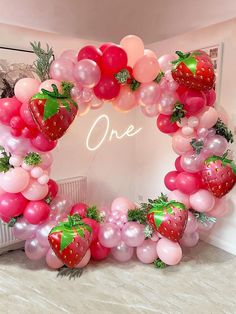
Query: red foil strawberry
[[219, 175], [169, 218], [53, 112], [194, 70], [70, 240]]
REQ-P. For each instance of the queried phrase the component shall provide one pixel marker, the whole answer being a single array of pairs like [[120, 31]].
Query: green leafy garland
[[32, 159], [197, 145], [4, 160], [221, 129], [178, 112]]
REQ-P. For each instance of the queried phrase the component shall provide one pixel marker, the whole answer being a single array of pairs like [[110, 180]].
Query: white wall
[[154, 154]]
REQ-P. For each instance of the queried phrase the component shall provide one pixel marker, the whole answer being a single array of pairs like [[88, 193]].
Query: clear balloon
[[216, 145], [190, 239], [147, 252], [169, 252], [22, 230], [95, 103], [69, 55], [191, 225], [192, 162], [122, 252], [62, 70], [133, 234], [148, 94], [150, 111], [109, 235], [34, 250], [167, 102], [43, 231]]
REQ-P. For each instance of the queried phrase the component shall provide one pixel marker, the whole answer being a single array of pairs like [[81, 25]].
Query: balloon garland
[[177, 90]]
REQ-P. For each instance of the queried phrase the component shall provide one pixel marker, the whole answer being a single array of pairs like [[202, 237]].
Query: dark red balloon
[[94, 225], [170, 180], [187, 183], [90, 52], [52, 189], [99, 252], [165, 125], [114, 59], [105, 45], [107, 88], [79, 209]]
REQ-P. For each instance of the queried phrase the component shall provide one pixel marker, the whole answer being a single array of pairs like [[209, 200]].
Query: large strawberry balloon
[[70, 240], [194, 70], [53, 112], [169, 218], [219, 175]]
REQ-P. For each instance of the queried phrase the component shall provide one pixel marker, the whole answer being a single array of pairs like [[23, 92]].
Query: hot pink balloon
[[52, 260], [122, 204], [148, 94], [26, 115], [34, 250], [134, 47], [133, 234], [35, 191], [9, 107], [85, 260], [126, 99], [146, 69], [69, 54], [190, 239], [202, 201], [62, 70], [192, 162], [194, 101], [169, 180], [169, 252], [147, 252], [178, 166], [87, 73], [15, 180], [22, 230], [12, 205], [178, 196], [210, 97], [180, 143], [42, 143], [48, 85], [165, 62], [109, 235], [220, 209], [187, 183], [25, 88], [122, 252], [36, 212], [191, 225], [208, 118], [150, 111]]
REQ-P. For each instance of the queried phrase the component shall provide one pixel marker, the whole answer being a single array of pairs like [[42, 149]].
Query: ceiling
[[110, 20]]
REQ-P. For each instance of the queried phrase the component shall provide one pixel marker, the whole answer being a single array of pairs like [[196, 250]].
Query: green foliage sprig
[[197, 145], [178, 112], [4, 160], [93, 213], [222, 129], [32, 159]]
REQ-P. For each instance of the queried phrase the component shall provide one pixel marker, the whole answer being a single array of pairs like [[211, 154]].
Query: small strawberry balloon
[[169, 218]]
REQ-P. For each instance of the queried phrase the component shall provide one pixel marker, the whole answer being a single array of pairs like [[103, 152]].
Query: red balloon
[[80, 209], [12, 205], [193, 101], [187, 183], [17, 122], [29, 132], [181, 89], [107, 88], [36, 212], [52, 189], [114, 59], [178, 166], [170, 179], [9, 107], [16, 132], [105, 45], [94, 225], [165, 125], [90, 52], [98, 251], [42, 143]]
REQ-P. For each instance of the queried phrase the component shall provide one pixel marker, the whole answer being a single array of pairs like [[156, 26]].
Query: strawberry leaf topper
[[4, 160], [161, 206], [178, 112], [225, 161], [54, 99], [188, 59], [70, 229], [123, 76]]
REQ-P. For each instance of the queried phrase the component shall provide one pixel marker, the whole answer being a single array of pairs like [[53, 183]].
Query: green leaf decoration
[[50, 109], [178, 112], [93, 213], [159, 264], [66, 238], [70, 273], [123, 76], [139, 214], [4, 160], [80, 232], [159, 77], [197, 145], [134, 85], [203, 218], [32, 159], [222, 129]]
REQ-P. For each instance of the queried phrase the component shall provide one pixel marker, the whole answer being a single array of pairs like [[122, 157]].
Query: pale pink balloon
[[146, 69], [87, 94], [220, 209], [122, 204], [16, 160], [122, 252], [183, 122], [15, 180], [192, 162], [147, 252], [62, 70], [215, 145], [83, 107], [134, 47], [126, 100], [69, 54], [149, 53], [76, 91], [193, 122], [52, 260], [36, 172], [25, 88], [133, 234], [187, 130], [87, 73], [35, 191], [150, 111], [148, 94], [17, 145], [109, 235], [23, 230], [208, 118], [189, 239], [172, 86], [43, 231], [34, 250], [179, 197], [169, 252], [95, 103], [46, 160], [223, 116], [85, 260], [202, 201], [192, 224], [165, 62], [181, 143], [43, 179], [167, 102], [48, 85]]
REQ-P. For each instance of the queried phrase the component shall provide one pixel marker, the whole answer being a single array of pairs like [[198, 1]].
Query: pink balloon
[[43, 231], [178, 166], [26, 115], [15, 180], [202, 201], [35, 191], [25, 88], [134, 47], [11, 205], [150, 111], [165, 62], [109, 235], [187, 130], [190, 239], [34, 250], [122, 204], [17, 145], [210, 97], [194, 101], [48, 85], [181, 143], [52, 260], [22, 230], [192, 162], [87, 94], [36, 212], [83, 107], [133, 234], [62, 70], [42, 143], [95, 103], [220, 209], [216, 145], [169, 180], [148, 94], [147, 252], [85, 260], [149, 53], [9, 107], [146, 69], [169, 252], [69, 55], [126, 99], [187, 183], [208, 118], [167, 102], [122, 252], [191, 225], [46, 160], [178, 196], [87, 73]]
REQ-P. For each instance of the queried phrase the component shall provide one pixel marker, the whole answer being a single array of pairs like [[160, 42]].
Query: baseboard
[[221, 244]]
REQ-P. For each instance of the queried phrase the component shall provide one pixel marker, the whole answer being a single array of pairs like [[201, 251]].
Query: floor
[[204, 282]]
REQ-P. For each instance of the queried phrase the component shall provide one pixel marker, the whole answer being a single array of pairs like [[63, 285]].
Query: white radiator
[[75, 189]]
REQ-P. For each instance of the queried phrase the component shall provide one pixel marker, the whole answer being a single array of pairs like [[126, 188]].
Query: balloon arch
[[177, 90]]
